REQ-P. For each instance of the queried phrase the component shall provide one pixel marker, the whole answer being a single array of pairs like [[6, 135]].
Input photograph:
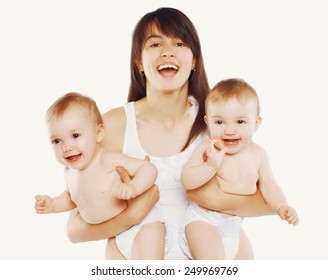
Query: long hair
[[172, 23]]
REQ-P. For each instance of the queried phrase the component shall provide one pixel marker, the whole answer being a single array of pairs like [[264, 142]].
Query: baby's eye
[[219, 122], [76, 135], [241, 121], [55, 141]]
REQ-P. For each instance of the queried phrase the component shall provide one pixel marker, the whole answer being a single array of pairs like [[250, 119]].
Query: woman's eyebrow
[[153, 36]]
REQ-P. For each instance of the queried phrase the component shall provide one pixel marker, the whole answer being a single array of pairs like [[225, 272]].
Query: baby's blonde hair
[[74, 99], [229, 89]]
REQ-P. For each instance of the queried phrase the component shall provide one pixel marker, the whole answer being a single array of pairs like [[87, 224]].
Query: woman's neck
[[166, 108]]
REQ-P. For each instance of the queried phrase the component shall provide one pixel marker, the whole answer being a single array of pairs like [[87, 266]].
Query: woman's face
[[166, 62]]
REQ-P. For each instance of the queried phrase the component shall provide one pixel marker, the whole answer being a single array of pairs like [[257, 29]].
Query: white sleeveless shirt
[[173, 200]]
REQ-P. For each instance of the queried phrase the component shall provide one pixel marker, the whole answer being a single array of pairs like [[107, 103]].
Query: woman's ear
[[139, 65], [141, 69], [193, 65]]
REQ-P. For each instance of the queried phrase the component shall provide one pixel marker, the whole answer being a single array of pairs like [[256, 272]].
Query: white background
[[49, 48]]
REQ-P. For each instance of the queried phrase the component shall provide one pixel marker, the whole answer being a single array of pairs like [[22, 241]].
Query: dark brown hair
[[172, 23]]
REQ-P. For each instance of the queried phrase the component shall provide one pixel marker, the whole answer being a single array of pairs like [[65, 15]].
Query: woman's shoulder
[[114, 122], [116, 115]]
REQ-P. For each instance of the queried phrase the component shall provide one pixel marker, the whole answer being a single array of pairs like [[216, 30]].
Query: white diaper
[[228, 228], [124, 240]]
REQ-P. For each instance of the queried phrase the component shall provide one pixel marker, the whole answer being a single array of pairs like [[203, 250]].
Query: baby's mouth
[[230, 142], [73, 158]]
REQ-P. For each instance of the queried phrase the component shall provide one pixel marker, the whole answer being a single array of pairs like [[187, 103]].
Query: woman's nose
[[168, 51]]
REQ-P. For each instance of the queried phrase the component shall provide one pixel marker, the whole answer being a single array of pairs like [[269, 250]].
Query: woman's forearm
[[211, 197], [80, 231]]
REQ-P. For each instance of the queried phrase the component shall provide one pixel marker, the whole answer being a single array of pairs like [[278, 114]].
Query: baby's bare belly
[[241, 187], [101, 212]]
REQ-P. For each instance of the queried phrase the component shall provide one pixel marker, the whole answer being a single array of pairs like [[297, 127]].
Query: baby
[[237, 165], [93, 185]]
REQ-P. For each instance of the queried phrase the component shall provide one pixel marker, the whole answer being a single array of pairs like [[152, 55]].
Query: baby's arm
[[202, 165], [288, 214], [144, 176], [272, 192], [45, 204]]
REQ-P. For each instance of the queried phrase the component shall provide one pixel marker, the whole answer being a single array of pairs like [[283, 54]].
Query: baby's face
[[75, 138], [232, 124]]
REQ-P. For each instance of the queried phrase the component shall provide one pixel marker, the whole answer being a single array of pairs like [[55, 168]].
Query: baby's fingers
[[40, 201], [125, 194], [39, 209], [116, 191], [223, 150], [120, 193], [290, 216], [39, 198], [292, 220]]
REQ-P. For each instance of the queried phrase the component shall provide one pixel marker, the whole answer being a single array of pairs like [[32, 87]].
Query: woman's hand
[[139, 206], [212, 197]]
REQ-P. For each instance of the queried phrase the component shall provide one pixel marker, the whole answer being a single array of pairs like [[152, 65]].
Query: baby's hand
[[288, 214], [43, 204], [124, 191], [214, 156]]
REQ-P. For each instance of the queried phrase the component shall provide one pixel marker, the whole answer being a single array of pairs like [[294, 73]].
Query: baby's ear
[[206, 120], [258, 122], [100, 133]]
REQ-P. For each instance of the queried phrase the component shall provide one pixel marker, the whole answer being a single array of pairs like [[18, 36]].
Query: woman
[[163, 119]]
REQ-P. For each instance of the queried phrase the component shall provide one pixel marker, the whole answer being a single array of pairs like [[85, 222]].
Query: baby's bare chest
[[239, 176], [92, 187]]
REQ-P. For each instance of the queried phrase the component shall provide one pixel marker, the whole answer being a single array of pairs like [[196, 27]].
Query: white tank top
[[173, 201]]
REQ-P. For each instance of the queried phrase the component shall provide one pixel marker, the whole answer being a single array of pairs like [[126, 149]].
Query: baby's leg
[[112, 252], [245, 251], [149, 242], [204, 241]]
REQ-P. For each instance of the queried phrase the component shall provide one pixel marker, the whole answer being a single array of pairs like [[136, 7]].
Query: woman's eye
[[155, 45], [180, 44]]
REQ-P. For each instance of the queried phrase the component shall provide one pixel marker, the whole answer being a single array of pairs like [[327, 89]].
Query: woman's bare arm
[[212, 197], [80, 231]]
